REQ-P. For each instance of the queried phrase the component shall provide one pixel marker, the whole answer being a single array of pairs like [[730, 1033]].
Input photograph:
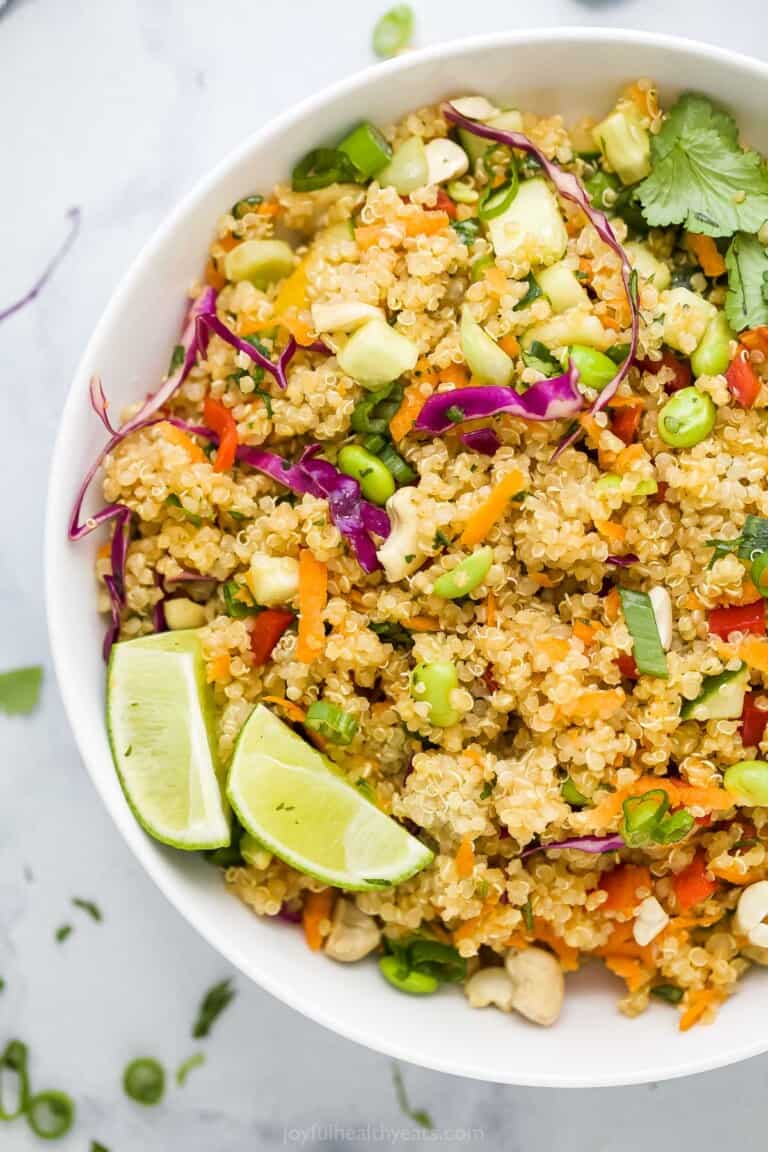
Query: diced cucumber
[[376, 355], [625, 144], [713, 352], [407, 170], [510, 120], [572, 327], [721, 697], [656, 271], [686, 316], [531, 230], [328, 239], [560, 286], [488, 363], [260, 261]]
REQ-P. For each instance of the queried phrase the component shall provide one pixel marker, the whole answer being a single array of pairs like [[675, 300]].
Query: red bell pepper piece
[[738, 618], [222, 422], [267, 629], [445, 204], [625, 422], [627, 666], [743, 381], [683, 377], [692, 885], [753, 721]]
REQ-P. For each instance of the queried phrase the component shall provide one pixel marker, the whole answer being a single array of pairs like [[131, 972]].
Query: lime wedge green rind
[[160, 725], [291, 799]]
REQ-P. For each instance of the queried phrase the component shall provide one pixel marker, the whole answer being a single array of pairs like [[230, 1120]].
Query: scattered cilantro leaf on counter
[[62, 933], [418, 1115], [186, 1067], [88, 906], [96, 1147], [213, 1004], [746, 304], [20, 690], [700, 176]]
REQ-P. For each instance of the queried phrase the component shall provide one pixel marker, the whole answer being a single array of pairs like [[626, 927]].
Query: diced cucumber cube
[[531, 231], [376, 355], [686, 316], [260, 261], [721, 697], [625, 144], [656, 271], [560, 286], [488, 363]]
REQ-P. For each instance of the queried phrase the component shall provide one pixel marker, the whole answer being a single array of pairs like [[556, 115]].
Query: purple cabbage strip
[[546, 400], [277, 370], [623, 561], [593, 844], [100, 404], [483, 440], [74, 216], [159, 623], [570, 188]]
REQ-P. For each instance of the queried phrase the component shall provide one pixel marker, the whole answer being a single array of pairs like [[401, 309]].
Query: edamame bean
[[687, 418], [712, 355], [466, 576], [405, 980], [376, 481], [747, 781], [595, 368], [433, 683], [759, 573]]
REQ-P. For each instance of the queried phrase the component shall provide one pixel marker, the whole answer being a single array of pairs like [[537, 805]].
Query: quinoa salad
[[437, 562]]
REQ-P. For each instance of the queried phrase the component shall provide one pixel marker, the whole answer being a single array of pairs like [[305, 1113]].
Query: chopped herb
[[533, 293], [184, 1069], [20, 690], [177, 359], [440, 540], [2, 984], [669, 992], [487, 790], [96, 1147], [390, 632], [255, 371], [364, 787], [238, 602], [246, 205], [88, 906], [746, 303], [455, 414], [267, 401], [409, 559], [144, 1081], [213, 1004], [538, 356], [466, 230], [618, 353], [175, 502], [751, 543], [527, 912], [481, 889], [418, 1115], [62, 932]]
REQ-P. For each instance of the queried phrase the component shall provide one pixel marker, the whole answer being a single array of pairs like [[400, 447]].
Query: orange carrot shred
[[421, 624], [180, 438], [705, 251], [492, 509], [490, 610], [698, 1003], [293, 711], [465, 859], [413, 402], [313, 593], [318, 907]]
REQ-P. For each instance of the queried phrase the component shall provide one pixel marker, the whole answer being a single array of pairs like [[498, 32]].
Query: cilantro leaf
[[20, 690], [700, 176], [746, 305], [213, 1004]]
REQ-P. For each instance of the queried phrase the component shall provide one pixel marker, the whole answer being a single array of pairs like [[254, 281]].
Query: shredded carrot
[[749, 593], [268, 208], [426, 223], [368, 235], [756, 340], [465, 859], [413, 402], [492, 509], [104, 552], [180, 438], [219, 417], [612, 605], [632, 971], [568, 956], [611, 322], [692, 603], [555, 648], [517, 940], [680, 795], [627, 457], [705, 251], [248, 327], [698, 1003], [587, 633], [611, 531], [456, 374], [733, 875], [622, 885], [510, 344], [218, 669], [598, 704], [754, 652], [585, 266], [496, 280], [631, 401], [313, 592], [468, 928], [621, 942], [543, 579], [228, 242], [490, 610], [316, 912], [213, 277], [693, 884], [421, 624], [292, 711]]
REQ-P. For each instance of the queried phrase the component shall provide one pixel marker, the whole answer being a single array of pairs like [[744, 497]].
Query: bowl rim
[[269, 980]]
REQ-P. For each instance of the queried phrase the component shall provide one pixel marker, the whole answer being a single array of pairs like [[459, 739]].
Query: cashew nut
[[445, 161], [751, 912], [490, 986], [343, 315], [537, 985], [353, 933], [400, 555], [661, 603], [650, 919], [475, 107]]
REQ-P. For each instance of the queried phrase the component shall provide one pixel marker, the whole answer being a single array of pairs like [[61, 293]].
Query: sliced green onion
[[668, 992], [462, 192], [374, 443], [400, 977], [50, 1115], [674, 827], [649, 655], [642, 816], [527, 912], [466, 230], [571, 794], [538, 356], [13, 1066], [401, 470], [322, 167], [144, 1081], [246, 205], [436, 959], [366, 148], [533, 293], [234, 604], [478, 267], [495, 201], [393, 31], [216, 999], [331, 722], [759, 573], [373, 414], [186, 1067]]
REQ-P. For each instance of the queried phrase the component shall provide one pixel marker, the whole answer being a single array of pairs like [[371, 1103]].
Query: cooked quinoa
[[555, 725]]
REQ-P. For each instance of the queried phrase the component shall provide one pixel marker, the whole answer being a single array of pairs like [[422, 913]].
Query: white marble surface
[[118, 106]]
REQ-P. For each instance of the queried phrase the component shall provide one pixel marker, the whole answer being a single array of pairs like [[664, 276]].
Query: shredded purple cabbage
[[593, 844], [210, 322], [546, 400], [570, 188], [74, 216], [483, 440], [623, 561]]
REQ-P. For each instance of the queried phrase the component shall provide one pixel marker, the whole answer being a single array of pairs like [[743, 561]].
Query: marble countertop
[[119, 107]]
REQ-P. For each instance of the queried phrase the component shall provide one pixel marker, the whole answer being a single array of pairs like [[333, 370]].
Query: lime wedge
[[294, 801], [160, 722]]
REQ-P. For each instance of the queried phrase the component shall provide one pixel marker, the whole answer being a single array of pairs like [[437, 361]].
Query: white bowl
[[573, 71]]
